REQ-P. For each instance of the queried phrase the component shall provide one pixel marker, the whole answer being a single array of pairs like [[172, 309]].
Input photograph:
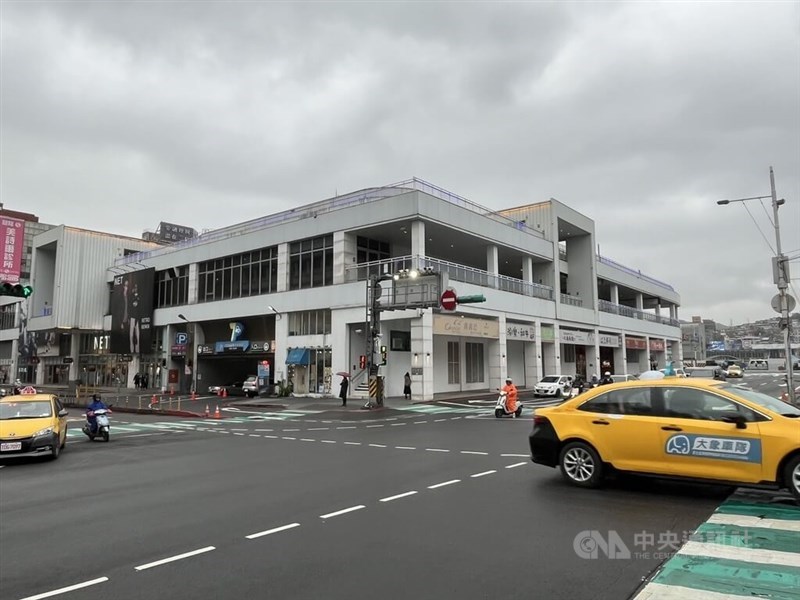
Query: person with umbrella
[[343, 387]]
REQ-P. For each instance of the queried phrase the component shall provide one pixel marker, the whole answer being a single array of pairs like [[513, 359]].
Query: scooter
[[103, 429], [500, 408]]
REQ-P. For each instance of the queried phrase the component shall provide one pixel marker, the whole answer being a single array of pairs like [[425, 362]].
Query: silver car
[[250, 386]]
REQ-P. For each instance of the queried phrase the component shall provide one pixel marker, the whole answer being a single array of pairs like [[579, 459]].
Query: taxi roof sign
[[28, 389]]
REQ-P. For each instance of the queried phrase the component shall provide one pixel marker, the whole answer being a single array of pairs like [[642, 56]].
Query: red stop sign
[[448, 300]]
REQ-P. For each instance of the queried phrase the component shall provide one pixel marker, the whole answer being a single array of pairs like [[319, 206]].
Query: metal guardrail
[[326, 206], [571, 300], [456, 272], [635, 273], [634, 313]]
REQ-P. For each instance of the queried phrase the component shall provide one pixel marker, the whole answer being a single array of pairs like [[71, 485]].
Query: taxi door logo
[[723, 448]]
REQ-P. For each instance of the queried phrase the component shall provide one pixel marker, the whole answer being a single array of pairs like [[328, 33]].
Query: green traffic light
[[15, 290]]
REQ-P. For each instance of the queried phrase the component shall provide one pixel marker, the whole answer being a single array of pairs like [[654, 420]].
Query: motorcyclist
[[96, 404], [606, 378], [511, 395]]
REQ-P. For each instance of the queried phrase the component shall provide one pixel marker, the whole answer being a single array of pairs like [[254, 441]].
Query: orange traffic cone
[[207, 413], [216, 413], [224, 392]]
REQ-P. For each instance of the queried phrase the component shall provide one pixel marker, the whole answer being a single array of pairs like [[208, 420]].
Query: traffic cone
[[224, 392], [216, 413], [219, 392], [207, 413], [154, 400]]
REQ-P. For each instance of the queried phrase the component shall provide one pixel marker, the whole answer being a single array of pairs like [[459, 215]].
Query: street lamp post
[[781, 279], [193, 374]]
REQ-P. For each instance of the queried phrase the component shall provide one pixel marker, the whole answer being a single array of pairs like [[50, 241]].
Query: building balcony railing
[[634, 272], [571, 300], [455, 272], [322, 207], [633, 313]]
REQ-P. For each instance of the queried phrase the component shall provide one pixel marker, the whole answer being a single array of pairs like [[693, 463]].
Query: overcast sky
[[116, 116]]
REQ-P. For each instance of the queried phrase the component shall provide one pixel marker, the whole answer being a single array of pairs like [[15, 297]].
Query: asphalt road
[[391, 505]]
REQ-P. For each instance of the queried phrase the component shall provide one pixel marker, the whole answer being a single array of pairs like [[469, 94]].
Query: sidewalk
[[749, 548]]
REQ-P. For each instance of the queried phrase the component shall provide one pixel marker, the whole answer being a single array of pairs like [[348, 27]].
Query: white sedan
[[557, 386]]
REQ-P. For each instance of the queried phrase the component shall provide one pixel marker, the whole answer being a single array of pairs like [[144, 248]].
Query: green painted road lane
[[759, 509], [732, 577], [749, 548], [759, 538]]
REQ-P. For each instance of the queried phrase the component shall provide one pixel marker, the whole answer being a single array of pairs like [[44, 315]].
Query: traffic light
[[383, 355], [362, 361], [15, 289]]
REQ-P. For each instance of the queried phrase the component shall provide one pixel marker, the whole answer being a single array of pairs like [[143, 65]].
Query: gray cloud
[[640, 115]]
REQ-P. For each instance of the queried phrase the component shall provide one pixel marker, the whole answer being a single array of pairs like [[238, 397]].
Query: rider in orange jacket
[[511, 395]]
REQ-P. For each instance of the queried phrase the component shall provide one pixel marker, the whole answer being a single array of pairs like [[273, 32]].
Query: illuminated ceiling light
[[413, 274]]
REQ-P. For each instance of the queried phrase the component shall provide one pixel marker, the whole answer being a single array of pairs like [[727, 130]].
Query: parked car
[[250, 386], [233, 388], [557, 386], [708, 372], [693, 428], [32, 425]]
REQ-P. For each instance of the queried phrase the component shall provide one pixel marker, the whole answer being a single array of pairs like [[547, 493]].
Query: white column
[[281, 343], [344, 255], [639, 301], [193, 290], [75, 354], [527, 269], [283, 267], [537, 356], [658, 309], [422, 347], [167, 339], [614, 293], [620, 357], [417, 246], [492, 267], [557, 349], [498, 356]]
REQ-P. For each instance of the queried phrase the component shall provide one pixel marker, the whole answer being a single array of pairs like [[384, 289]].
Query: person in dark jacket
[[606, 379], [343, 387]]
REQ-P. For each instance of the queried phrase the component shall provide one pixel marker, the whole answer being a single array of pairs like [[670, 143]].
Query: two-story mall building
[[291, 289]]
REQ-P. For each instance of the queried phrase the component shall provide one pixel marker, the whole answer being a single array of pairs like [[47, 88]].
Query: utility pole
[[783, 303], [782, 280]]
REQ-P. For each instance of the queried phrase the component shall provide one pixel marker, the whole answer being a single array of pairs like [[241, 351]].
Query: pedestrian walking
[[343, 387], [407, 386], [136, 381]]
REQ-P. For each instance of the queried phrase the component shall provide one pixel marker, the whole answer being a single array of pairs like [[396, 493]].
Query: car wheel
[[581, 465], [558, 393], [64, 443], [56, 450], [791, 476]]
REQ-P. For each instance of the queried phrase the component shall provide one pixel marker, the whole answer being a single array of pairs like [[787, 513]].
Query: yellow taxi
[[700, 429], [734, 371], [32, 425]]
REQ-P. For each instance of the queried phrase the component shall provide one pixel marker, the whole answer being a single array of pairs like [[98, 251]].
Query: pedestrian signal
[[383, 355], [362, 361]]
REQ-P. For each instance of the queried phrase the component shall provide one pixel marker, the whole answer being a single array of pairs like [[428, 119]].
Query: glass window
[[688, 403], [172, 286], [310, 322], [239, 275], [474, 362], [453, 363]]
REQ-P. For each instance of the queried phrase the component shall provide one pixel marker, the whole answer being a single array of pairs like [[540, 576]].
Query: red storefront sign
[[635, 343], [657, 345], [12, 234]]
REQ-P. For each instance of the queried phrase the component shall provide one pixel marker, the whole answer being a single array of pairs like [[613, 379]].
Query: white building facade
[[290, 290]]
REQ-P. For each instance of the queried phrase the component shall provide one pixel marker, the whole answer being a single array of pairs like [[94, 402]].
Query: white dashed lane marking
[[253, 536], [444, 483], [342, 512], [164, 561], [64, 590], [398, 496]]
